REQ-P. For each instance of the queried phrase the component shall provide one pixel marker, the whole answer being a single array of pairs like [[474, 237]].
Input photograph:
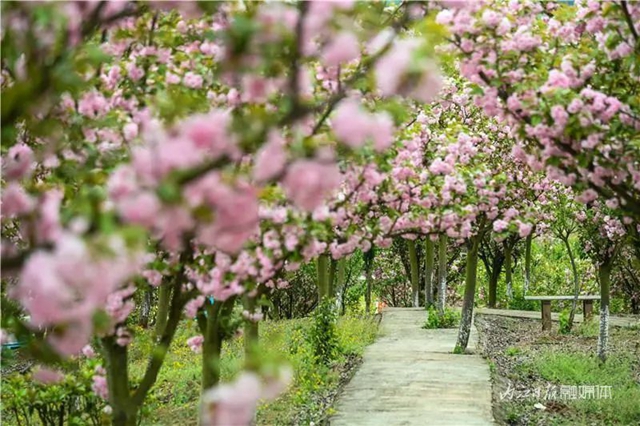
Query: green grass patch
[[449, 319], [621, 372], [175, 398]]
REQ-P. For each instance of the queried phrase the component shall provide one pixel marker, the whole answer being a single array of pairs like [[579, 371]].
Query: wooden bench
[[587, 306]]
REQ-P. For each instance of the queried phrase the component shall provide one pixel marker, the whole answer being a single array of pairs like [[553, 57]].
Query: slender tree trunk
[[576, 284], [145, 308], [323, 276], [428, 272], [415, 281], [340, 277], [469, 295], [250, 331], [214, 334], [527, 263], [368, 265], [164, 297], [493, 285], [124, 411], [508, 270], [332, 277], [604, 274], [442, 273]]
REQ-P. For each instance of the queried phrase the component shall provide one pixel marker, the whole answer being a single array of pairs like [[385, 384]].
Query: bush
[[70, 402], [449, 319], [322, 336], [564, 321]]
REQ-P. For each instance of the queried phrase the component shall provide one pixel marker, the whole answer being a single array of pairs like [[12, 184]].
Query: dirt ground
[[509, 344]]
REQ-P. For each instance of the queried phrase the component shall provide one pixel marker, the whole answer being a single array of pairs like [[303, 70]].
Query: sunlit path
[[410, 377]]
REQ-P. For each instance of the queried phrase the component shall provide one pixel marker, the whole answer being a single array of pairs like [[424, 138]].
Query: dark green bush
[[449, 319], [322, 335]]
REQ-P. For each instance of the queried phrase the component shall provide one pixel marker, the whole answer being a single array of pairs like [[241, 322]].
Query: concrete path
[[613, 320], [410, 377]]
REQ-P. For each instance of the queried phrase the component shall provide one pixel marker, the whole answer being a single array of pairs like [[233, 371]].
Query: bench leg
[[546, 315], [587, 309]]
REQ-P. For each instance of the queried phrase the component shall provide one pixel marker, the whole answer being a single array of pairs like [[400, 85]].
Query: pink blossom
[[130, 131], [88, 351], [153, 277], [560, 116], [15, 200], [500, 225], [382, 131], [140, 209], [47, 376], [18, 163], [192, 80], [195, 343], [587, 196], [350, 123], [343, 48], [171, 78], [271, 158], [48, 225], [134, 72], [524, 229], [100, 386], [191, 308], [439, 167], [308, 182], [209, 132], [236, 220]]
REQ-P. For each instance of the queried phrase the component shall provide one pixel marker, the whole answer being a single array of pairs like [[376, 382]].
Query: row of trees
[[209, 154]]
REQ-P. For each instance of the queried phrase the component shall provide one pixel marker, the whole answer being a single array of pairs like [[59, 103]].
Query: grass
[[621, 372], [174, 399], [450, 319]]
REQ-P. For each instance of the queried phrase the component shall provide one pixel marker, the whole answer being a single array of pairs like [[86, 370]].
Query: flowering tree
[[142, 143], [567, 88]]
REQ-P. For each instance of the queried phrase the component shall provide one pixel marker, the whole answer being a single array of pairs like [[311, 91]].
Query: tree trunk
[[604, 274], [508, 270], [576, 285], [368, 265], [332, 277], [164, 296], [442, 273], [145, 308], [527, 263], [340, 277], [250, 331], [415, 281], [124, 411], [469, 295], [428, 273], [214, 335], [493, 284], [323, 276]]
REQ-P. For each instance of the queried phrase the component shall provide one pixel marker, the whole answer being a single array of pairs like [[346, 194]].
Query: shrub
[[449, 319], [322, 336], [70, 402], [564, 321]]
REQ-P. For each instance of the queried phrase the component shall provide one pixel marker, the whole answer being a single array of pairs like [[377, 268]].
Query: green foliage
[[620, 372], [450, 318], [322, 335], [589, 328], [69, 402], [174, 399], [512, 351], [564, 321]]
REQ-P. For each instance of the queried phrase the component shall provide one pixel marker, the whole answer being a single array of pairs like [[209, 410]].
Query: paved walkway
[[613, 320], [410, 377]]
